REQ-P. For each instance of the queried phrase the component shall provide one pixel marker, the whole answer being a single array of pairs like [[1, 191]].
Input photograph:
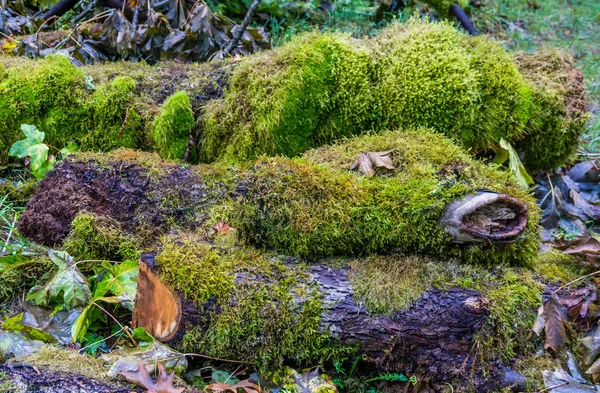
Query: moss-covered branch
[[314, 90]]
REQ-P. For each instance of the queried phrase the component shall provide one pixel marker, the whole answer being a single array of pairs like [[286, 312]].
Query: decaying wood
[[433, 336], [485, 216], [28, 379]]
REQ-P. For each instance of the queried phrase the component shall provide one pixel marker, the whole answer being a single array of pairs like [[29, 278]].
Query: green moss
[[172, 126], [558, 108], [246, 319], [19, 274], [20, 192], [285, 101], [95, 237], [31, 91], [313, 206], [555, 267]]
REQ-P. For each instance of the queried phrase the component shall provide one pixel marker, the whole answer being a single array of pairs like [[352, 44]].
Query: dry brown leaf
[[221, 228], [245, 385], [366, 160], [554, 322], [163, 384], [590, 247]]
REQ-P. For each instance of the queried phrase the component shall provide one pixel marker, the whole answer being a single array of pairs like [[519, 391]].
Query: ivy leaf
[[366, 160], [120, 280], [68, 285], [514, 163], [71, 148], [33, 147]]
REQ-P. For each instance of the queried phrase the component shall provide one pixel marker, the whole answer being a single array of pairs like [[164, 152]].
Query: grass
[[11, 242], [527, 25]]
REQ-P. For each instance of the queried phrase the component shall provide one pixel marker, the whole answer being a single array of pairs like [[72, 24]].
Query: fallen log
[[22, 378], [312, 91], [435, 200]]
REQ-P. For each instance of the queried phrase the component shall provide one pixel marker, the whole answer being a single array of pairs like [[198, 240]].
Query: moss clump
[[19, 274], [313, 206], [95, 237], [320, 88], [172, 126], [55, 358], [558, 108], [302, 95], [255, 306], [555, 267], [18, 192]]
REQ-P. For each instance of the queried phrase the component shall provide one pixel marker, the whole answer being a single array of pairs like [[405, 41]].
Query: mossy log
[[436, 200], [312, 91], [22, 378], [433, 336]]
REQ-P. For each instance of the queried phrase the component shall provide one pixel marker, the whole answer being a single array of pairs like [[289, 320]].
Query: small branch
[[576, 280], [463, 18], [243, 26], [86, 11], [190, 144]]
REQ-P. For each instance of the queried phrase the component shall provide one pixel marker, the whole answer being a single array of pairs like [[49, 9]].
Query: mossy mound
[[320, 88], [102, 107], [313, 206], [18, 274], [314, 90]]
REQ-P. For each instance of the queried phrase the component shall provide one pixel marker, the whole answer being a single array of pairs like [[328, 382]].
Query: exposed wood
[[485, 216], [158, 308]]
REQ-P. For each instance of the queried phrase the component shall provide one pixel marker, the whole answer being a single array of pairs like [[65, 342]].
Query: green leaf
[[14, 324], [82, 323], [68, 285], [120, 280], [61, 259], [71, 148], [34, 148], [14, 344], [514, 163]]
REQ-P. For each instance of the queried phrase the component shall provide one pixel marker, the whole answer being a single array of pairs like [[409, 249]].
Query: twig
[[190, 144], [243, 26], [552, 387], [576, 280], [116, 320], [212, 358], [104, 339], [463, 18], [84, 12]]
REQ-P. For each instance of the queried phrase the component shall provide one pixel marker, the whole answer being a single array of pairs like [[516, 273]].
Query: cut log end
[[485, 216], [157, 307]]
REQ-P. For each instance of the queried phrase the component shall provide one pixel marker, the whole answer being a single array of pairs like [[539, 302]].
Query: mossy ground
[[18, 274], [314, 206]]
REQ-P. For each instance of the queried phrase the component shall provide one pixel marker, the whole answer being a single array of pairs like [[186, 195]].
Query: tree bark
[[433, 336], [28, 379]]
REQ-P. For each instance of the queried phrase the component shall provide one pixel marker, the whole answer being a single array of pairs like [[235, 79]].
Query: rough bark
[[433, 337], [21, 378]]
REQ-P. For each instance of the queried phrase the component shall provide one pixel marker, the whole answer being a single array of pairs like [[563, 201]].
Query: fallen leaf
[[163, 383], [366, 160], [591, 246], [559, 381], [552, 316], [221, 228], [245, 385]]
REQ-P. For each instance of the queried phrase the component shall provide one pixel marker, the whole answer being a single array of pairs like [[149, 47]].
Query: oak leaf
[[552, 318], [163, 383], [365, 162]]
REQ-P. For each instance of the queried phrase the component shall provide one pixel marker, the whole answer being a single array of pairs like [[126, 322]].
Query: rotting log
[[308, 207], [433, 338], [22, 378]]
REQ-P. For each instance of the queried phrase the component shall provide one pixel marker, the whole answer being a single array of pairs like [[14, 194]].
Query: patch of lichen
[[255, 306], [172, 126], [287, 100], [558, 108], [19, 274], [96, 237], [313, 206]]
